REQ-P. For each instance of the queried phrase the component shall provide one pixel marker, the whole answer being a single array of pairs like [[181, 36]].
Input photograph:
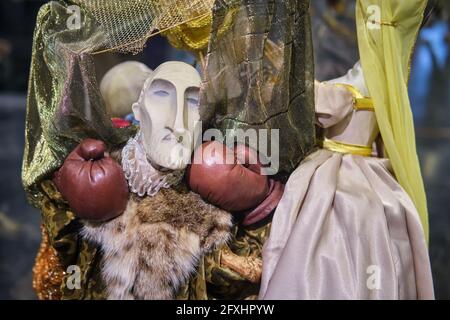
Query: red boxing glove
[[229, 185], [94, 185], [232, 180]]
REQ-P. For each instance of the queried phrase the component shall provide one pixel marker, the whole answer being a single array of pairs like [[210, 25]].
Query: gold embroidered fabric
[[194, 35], [62, 229]]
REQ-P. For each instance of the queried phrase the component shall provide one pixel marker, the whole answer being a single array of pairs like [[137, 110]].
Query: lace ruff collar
[[142, 177]]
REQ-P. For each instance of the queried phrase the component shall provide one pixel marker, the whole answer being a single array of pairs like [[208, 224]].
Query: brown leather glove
[[235, 185], [93, 184]]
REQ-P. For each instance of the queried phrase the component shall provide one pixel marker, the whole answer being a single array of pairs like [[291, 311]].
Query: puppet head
[[168, 112], [121, 86]]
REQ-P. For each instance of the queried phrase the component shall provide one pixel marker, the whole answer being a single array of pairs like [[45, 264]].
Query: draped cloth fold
[[345, 229], [64, 105], [387, 32]]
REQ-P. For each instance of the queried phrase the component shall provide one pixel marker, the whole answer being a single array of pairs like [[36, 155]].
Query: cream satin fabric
[[345, 228]]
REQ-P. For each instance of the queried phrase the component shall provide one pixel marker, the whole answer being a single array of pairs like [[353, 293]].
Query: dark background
[[335, 50]]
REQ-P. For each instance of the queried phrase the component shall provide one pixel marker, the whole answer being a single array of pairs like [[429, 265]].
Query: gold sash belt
[[346, 148]]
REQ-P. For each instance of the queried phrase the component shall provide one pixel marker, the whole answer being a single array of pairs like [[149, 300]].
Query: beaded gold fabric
[[47, 271]]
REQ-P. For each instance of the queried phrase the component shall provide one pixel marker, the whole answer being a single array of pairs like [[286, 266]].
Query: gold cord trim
[[383, 23]]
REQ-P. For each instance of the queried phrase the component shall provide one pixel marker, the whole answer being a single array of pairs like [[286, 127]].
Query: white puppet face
[[168, 112]]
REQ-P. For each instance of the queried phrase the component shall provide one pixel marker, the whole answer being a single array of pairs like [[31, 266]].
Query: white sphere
[[122, 85]]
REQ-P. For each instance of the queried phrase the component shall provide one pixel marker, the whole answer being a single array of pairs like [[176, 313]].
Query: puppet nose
[[179, 119], [182, 135]]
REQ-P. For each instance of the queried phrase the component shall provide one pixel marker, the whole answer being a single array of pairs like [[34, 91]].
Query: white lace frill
[[142, 177]]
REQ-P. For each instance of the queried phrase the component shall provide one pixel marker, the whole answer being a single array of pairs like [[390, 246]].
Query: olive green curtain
[[259, 74], [64, 104]]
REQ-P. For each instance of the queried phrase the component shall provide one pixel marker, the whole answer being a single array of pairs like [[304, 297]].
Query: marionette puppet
[[152, 247], [124, 206], [152, 239], [352, 224]]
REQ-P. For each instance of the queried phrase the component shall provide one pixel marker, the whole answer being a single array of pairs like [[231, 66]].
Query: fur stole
[[153, 248]]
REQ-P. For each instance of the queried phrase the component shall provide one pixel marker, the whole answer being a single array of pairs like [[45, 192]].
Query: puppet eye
[[161, 93], [192, 101]]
